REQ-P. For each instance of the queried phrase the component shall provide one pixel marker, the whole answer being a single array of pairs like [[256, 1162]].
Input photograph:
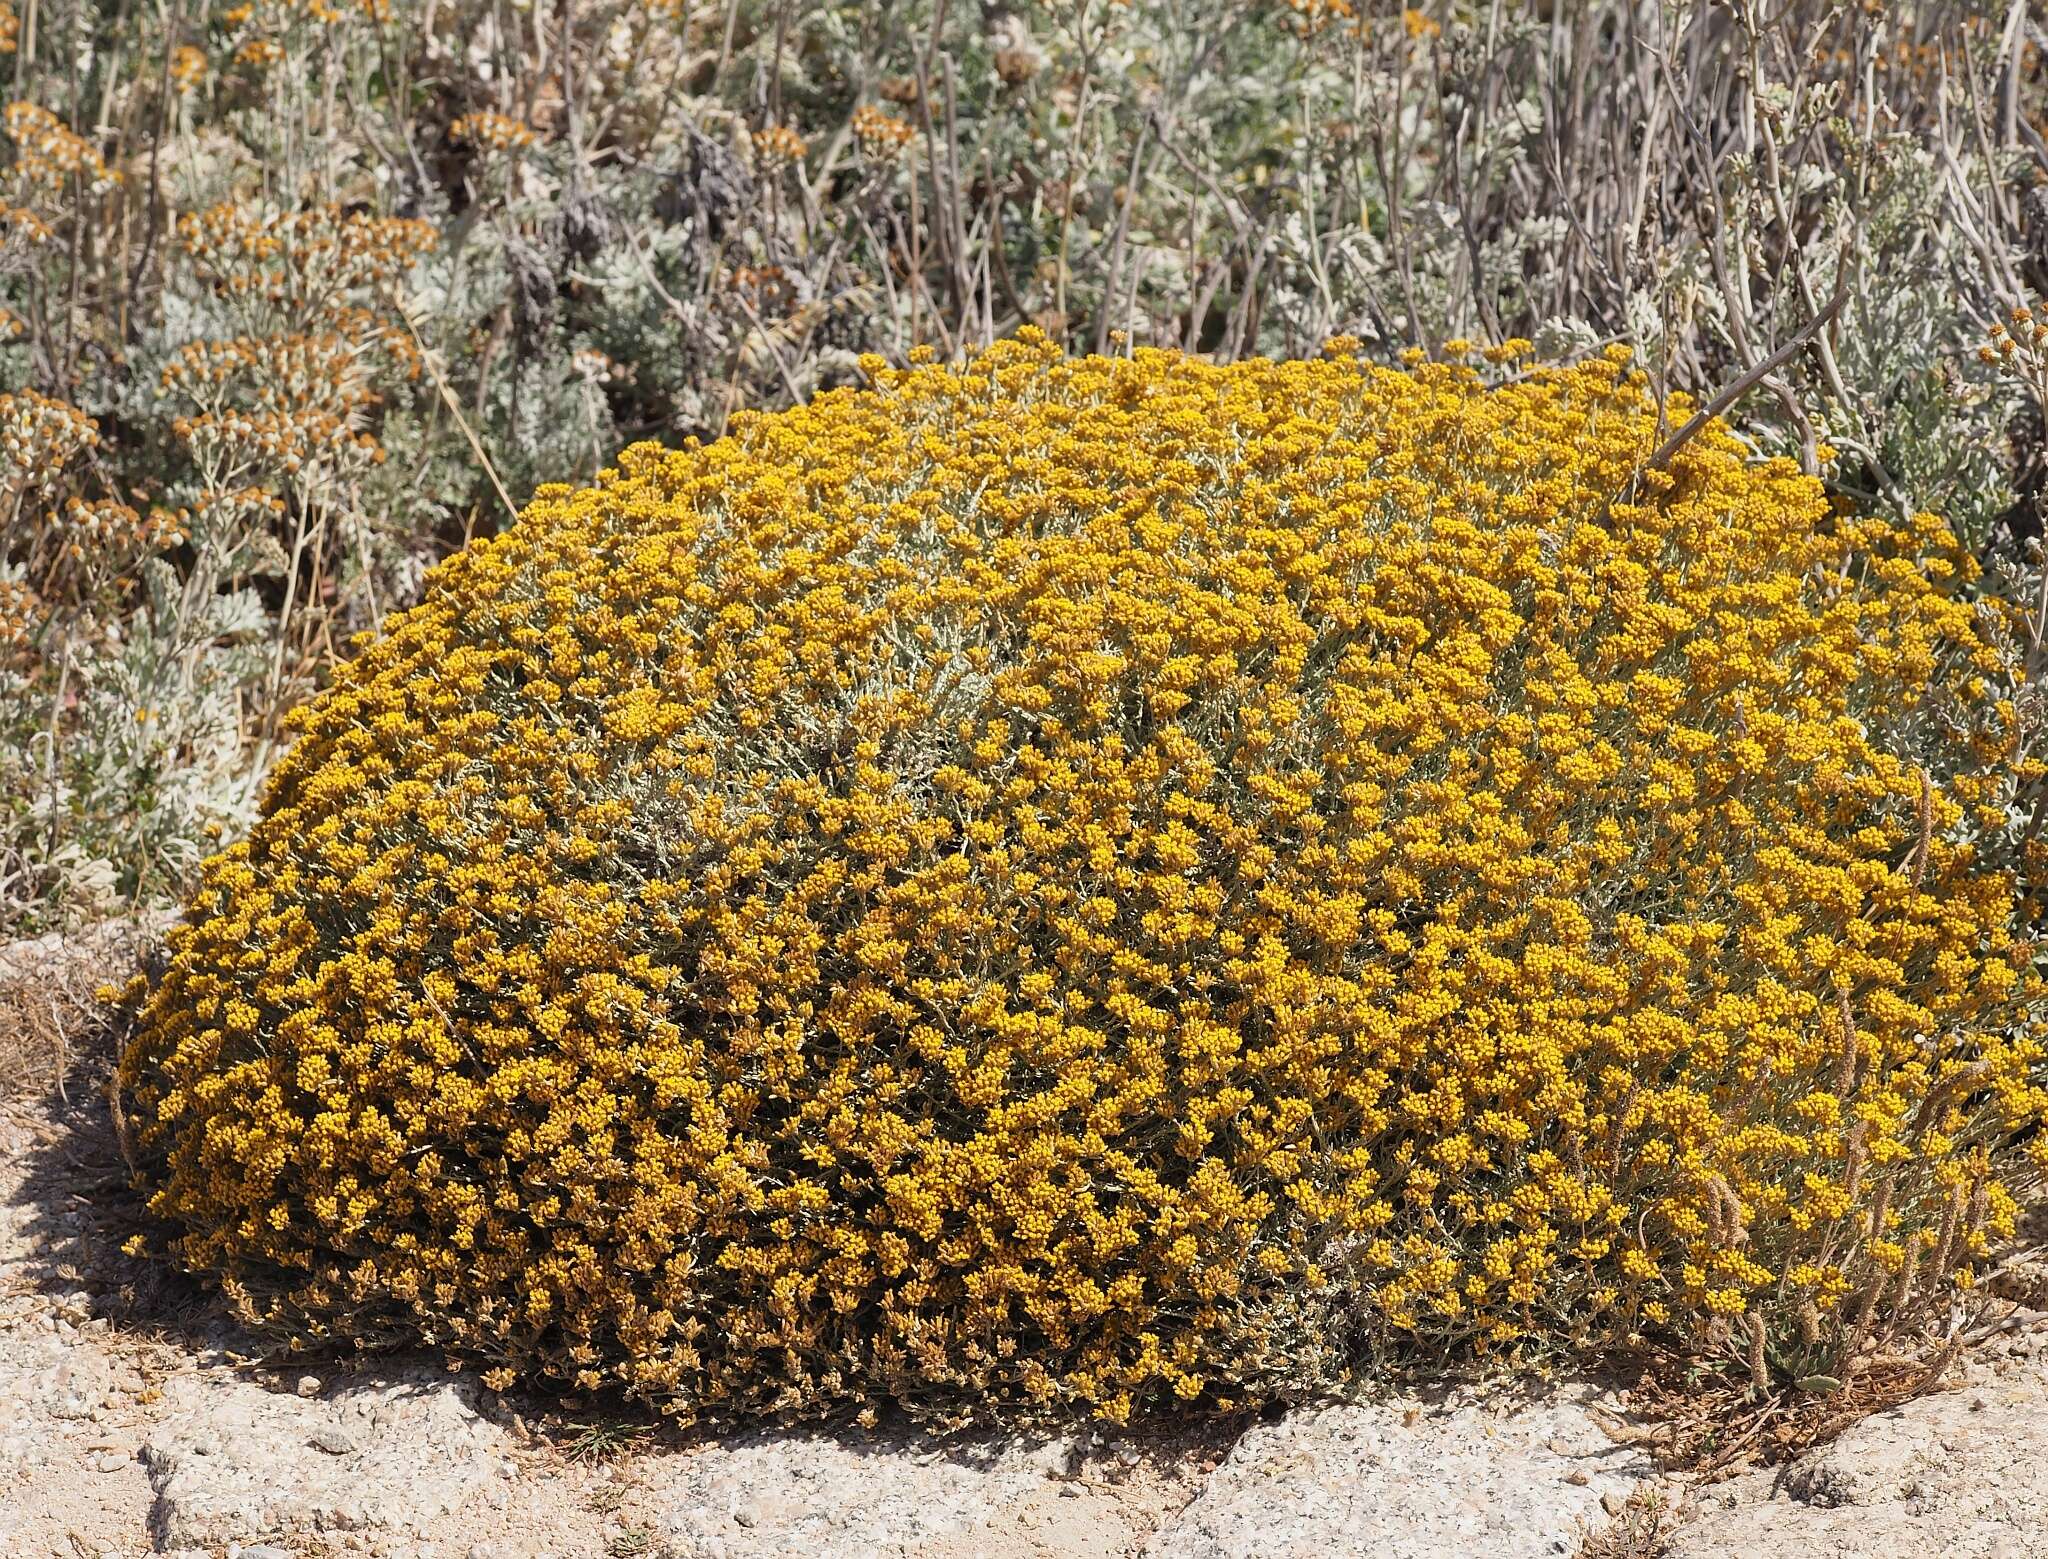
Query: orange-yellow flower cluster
[[880, 135], [288, 402], [49, 155], [492, 132], [778, 147], [309, 262], [21, 613], [39, 436], [188, 67], [1103, 881]]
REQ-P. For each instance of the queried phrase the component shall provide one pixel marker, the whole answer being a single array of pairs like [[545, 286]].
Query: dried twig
[[1748, 381]]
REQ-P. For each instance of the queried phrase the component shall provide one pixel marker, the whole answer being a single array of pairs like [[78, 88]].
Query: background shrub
[[1090, 881]]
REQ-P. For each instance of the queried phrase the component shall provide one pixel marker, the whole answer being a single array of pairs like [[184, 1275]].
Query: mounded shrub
[[1092, 881]]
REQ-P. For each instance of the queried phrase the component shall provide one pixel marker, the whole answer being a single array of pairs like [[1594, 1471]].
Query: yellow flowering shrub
[[1086, 882]]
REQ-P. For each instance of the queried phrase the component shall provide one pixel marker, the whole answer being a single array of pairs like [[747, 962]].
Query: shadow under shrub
[[1091, 881]]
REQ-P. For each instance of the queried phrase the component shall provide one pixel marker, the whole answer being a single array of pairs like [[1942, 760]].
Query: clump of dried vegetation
[[296, 295]]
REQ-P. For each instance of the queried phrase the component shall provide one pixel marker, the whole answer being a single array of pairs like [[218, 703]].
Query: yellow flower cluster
[[289, 401], [52, 168], [38, 436], [307, 262], [49, 155], [881, 135], [21, 613], [111, 530], [269, 20], [2019, 346], [491, 132], [188, 67], [1087, 882], [778, 147], [1311, 17]]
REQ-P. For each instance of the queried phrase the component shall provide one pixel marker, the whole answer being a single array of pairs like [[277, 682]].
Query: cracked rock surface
[[225, 1465]]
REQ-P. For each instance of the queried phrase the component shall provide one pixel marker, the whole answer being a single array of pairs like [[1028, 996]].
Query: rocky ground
[[135, 1419]]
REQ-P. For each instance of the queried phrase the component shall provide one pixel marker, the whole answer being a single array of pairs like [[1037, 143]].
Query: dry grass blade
[[34, 1056], [48, 1004]]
